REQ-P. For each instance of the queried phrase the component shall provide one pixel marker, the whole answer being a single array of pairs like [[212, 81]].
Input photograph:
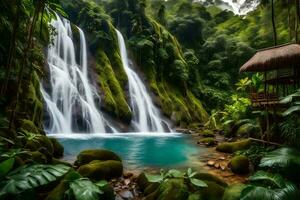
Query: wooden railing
[[264, 99]]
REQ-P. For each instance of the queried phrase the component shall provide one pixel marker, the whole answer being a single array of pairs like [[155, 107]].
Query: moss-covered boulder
[[233, 192], [212, 178], [29, 126], [87, 156], [240, 164], [173, 189], [231, 147], [214, 191], [207, 133], [40, 142], [58, 149], [98, 170], [142, 181], [248, 130], [39, 157], [208, 141]]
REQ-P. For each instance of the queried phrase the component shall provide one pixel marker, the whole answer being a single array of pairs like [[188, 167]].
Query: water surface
[[138, 150]]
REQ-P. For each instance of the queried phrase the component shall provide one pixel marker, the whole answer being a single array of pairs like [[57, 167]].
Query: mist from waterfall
[[146, 116], [70, 100]]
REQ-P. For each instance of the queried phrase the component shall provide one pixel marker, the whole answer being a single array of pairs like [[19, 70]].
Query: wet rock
[[240, 164], [126, 194], [87, 156], [211, 163]]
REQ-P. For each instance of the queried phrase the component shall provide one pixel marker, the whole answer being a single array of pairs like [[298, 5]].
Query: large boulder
[[240, 164], [248, 130], [99, 170], [233, 192], [173, 189], [87, 156], [58, 149], [40, 142], [231, 147]]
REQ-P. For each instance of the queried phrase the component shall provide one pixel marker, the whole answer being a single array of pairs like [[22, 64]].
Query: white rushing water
[[71, 99], [146, 116]]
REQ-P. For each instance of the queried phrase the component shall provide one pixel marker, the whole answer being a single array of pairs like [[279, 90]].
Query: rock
[[29, 126], [248, 130], [240, 164], [39, 157], [217, 165], [127, 181], [57, 161], [208, 141], [233, 192], [127, 175], [231, 147], [207, 133], [214, 191], [58, 149], [108, 193], [223, 165], [126, 194], [173, 189], [142, 181], [212, 178], [87, 156], [98, 170], [40, 142], [211, 163], [184, 131]]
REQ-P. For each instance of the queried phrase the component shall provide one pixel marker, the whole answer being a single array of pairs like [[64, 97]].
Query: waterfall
[[71, 99], [145, 115]]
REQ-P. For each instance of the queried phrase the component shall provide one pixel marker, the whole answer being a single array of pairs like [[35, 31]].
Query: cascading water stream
[[70, 102], [146, 116]]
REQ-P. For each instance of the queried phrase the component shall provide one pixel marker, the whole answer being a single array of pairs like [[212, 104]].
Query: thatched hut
[[281, 68]]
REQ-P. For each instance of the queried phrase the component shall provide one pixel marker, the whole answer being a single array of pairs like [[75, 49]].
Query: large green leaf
[[84, 189], [198, 182], [176, 173], [272, 179], [153, 178], [31, 176], [282, 158], [291, 110], [6, 166], [251, 192]]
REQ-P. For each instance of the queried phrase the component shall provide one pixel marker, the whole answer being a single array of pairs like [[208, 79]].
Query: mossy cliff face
[[105, 56], [160, 57]]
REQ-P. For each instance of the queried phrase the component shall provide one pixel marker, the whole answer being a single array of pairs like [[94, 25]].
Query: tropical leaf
[[291, 110], [152, 178], [84, 189], [282, 158], [198, 182], [31, 176], [289, 192], [176, 173], [273, 179], [6, 166]]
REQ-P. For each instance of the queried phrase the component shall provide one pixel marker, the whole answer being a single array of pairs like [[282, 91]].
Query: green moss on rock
[[99, 170], [29, 126], [40, 142], [231, 147], [142, 181], [240, 164], [58, 149], [207, 133], [211, 178], [208, 141], [214, 191], [233, 192], [39, 157], [89, 155], [248, 130]]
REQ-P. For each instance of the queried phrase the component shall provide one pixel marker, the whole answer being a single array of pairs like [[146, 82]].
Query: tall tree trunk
[[32, 25], [12, 49], [289, 19], [297, 20], [273, 24]]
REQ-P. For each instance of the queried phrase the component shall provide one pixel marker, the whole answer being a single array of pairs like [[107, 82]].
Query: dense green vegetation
[[190, 57]]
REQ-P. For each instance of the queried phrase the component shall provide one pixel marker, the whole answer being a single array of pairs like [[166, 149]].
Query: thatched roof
[[278, 57]]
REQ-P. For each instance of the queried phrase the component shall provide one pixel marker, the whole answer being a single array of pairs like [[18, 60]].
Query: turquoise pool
[[138, 150]]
